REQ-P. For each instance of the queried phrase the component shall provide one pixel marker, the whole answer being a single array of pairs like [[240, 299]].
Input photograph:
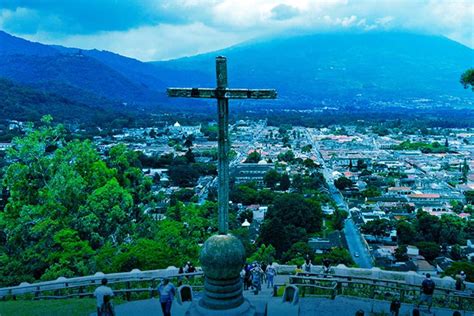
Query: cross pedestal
[[222, 256]]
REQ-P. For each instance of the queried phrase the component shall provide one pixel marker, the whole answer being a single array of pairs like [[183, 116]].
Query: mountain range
[[306, 70]]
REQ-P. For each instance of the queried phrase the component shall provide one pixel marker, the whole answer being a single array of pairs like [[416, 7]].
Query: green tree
[[253, 157], [287, 156], [106, 214], [343, 183], [189, 141], [405, 232], [189, 155], [183, 175], [456, 252], [429, 250], [290, 219], [306, 148], [298, 251], [69, 256], [377, 227], [263, 254], [66, 204], [271, 178], [338, 219], [469, 196], [245, 194], [371, 191], [465, 170], [401, 253], [465, 266], [285, 182], [467, 79], [336, 256]]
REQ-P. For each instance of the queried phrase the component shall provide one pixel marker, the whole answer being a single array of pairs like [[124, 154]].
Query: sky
[[160, 29]]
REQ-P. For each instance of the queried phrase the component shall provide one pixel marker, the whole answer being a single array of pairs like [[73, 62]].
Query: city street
[[353, 237]]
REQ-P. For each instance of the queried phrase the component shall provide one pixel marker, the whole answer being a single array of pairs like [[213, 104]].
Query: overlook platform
[[344, 306], [342, 292]]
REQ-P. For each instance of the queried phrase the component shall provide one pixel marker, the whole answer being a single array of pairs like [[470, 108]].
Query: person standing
[[307, 266], [186, 267], [298, 269], [248, 277], [103, 294], [167, 292], [395, 307], [326, 265], [427, 290], [263, 266], [257, 278], [271, 272], [459, 285]]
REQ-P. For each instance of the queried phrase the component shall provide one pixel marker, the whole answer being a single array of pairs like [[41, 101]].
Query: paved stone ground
[[343, 306]]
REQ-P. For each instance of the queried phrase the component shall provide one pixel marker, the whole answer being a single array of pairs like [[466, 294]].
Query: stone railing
[[79, 286], [410, 277], [377, 289]]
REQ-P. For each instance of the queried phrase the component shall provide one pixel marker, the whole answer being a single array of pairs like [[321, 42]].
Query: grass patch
[[69, 307]]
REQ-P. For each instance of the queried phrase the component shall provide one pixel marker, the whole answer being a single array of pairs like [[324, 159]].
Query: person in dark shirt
[[427, 290], [395, 307]]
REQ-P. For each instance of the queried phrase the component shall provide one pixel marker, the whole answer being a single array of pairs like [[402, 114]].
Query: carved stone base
[[245, 309]]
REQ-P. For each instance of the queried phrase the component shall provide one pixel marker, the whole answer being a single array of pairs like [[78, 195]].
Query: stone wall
[[410, 277]]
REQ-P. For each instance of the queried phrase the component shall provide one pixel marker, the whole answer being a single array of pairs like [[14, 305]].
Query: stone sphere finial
[[222, 257]]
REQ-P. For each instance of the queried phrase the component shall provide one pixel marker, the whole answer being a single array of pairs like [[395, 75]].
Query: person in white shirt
[[307, 266], [103, 294]]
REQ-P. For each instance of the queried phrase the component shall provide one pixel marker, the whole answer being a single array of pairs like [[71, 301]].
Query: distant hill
[[308, 69], [98, 74], [26, 104]]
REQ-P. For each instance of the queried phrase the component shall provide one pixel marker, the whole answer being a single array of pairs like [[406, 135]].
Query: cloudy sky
[[162, 29]]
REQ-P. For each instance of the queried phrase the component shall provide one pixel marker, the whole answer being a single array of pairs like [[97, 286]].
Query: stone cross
[[222, 94]]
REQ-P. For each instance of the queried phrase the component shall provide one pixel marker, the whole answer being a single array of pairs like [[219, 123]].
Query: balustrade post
[[339, 288], [153, 287], [127, 294], [372, 289]]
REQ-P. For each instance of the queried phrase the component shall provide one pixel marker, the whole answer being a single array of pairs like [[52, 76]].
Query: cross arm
[[224, 93]]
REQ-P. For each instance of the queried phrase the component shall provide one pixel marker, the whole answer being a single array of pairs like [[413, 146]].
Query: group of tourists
[[186, 268], [428, 287], [253, 275]]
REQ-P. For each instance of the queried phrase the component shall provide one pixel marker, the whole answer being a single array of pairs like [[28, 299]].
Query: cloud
[[161, 42], [91, 16], [152, 30], [284, 12]]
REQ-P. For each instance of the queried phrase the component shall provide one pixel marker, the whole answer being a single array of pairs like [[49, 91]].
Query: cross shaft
[[222, 94]]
